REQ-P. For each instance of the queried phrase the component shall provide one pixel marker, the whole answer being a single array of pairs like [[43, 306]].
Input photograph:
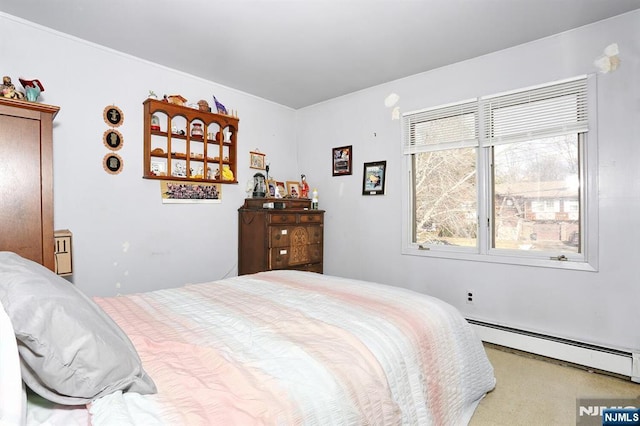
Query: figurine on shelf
[[155, 123], [227, 173], [8, 90], [304, 187], [32, 88], [180, 170], [200, 173], [175, 99], [203, 105], [196, 130], [221, 108]]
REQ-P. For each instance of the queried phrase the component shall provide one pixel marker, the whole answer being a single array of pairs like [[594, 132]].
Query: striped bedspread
[[297, 348]]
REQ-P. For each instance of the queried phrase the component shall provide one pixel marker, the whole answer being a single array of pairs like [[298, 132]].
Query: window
[[505, 178]]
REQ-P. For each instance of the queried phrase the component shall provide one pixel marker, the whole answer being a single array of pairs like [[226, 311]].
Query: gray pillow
[[71, 351]]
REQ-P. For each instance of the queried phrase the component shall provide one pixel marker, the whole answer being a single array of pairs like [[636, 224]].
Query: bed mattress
[[297, 348]]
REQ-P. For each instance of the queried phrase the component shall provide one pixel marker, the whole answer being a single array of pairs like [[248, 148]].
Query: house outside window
[[507, 178]]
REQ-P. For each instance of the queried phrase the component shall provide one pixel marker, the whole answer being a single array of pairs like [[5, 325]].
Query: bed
[[272, 348]]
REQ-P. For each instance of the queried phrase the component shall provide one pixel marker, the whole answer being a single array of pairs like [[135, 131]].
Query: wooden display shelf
[[188, 151]]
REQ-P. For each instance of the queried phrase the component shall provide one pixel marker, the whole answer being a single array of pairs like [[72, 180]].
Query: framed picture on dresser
[[293, 189]]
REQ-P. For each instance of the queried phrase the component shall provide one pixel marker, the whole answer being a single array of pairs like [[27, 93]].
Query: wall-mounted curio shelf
[[183, 143]]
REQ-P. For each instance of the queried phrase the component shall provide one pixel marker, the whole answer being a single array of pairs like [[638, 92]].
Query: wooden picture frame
[[341, 160], [112, 163], [190, 192], [113, 116], [271, 188], [374, 178], [113, 139], [293, 189], [256, 160]]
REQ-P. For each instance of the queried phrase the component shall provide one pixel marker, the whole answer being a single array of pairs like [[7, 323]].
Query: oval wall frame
[[112, 163], [113, 139], [113, 116]]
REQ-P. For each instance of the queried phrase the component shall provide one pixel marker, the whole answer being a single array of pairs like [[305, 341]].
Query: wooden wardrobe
[[26, 179]]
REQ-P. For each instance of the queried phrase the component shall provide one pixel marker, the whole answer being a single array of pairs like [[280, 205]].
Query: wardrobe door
[[20, 200], [26, 190]]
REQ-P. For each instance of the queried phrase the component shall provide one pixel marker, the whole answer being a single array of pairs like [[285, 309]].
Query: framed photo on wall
[[341, 159], [113, 139], [373, 178], [112, 163], [256, 160], [113, 116]]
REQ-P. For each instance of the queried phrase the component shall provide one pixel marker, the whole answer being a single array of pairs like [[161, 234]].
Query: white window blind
[[455, 124], [541, 112]]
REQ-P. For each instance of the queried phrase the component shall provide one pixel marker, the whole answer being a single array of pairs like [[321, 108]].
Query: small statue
[[8, 90], [304, 187], [203, 105], [33, 88], [227, 173], [219, 107]]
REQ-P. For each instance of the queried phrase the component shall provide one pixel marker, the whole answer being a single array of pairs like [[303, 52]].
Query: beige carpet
[[532, 391]]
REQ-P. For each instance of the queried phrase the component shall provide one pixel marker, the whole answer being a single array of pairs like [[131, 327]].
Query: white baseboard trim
[[590, 356]]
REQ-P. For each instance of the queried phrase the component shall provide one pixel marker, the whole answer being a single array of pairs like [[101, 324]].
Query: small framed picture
[[113, 139], [113, 116], [373, 179], [271, 184], [293, 189], [341, 159], [112, 163], [282, 189], [256, 160]]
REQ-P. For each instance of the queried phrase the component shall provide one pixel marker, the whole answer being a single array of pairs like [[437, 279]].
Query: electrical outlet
[[469, 296]]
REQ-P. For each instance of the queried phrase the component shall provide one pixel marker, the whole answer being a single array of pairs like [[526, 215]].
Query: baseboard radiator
[[590, 356]]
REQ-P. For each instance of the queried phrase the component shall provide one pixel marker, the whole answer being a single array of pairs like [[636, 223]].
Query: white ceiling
[[301, 52]]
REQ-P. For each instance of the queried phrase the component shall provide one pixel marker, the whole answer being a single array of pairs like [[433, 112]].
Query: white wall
[[125, 239], [363, 233]]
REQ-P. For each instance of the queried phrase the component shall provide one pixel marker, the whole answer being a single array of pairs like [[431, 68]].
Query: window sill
[[499, 258]]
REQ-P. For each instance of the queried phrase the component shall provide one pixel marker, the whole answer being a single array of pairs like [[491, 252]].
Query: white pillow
[[13, 402], [71, 351]]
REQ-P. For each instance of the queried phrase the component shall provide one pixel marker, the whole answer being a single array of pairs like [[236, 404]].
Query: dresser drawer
[[311, 218], [284, 236], [279, 236], [291, 218], [284, 257], [278, 258], [277, 218]]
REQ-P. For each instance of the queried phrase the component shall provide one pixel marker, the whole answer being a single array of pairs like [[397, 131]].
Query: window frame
[[586, 260]]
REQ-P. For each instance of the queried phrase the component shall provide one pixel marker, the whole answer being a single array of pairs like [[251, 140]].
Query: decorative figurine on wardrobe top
[[32, 88], [8, 90], [304, 187]]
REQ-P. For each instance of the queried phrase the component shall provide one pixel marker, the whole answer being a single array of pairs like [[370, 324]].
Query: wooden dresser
[[26, 179], [288, 236]]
